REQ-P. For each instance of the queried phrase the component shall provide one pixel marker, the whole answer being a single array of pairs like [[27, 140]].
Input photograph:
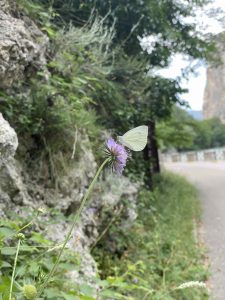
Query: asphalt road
[[209, 178]]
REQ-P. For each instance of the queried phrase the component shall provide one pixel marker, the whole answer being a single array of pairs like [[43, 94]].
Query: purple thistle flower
[[118, 155]]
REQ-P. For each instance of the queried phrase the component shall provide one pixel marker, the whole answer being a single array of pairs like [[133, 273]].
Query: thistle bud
[[29, 291], [20, 236]]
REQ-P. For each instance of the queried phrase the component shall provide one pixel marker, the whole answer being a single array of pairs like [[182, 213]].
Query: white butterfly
[[135, 139]]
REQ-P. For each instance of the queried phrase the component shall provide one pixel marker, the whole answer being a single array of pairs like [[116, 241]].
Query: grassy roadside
[[159, 251]]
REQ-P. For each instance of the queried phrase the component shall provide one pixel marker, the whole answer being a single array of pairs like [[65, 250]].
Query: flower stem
[[14, 269], [76, 218]]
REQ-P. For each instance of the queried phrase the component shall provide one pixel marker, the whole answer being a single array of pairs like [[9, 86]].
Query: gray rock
[[8, 141], [5, 5], [12, 185], [12, 190], [22, 46], [18, 192], [106, 195], [214, 96], [80, 245]]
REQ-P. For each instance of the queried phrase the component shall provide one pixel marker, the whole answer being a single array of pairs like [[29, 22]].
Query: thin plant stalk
[[22, 228], [26, 225], [76, 218], [14, 269], [107, 228]]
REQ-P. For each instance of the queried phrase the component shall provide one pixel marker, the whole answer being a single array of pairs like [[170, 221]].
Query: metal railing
[[215, 154]]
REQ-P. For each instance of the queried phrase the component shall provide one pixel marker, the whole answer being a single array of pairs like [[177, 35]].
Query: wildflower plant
[[116, 157]]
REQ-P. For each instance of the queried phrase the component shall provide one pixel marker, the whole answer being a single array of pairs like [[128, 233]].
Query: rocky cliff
[[214, 94], [22, 45], [23, 48]]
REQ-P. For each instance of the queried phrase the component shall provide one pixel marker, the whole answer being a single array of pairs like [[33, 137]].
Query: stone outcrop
[[22, 46], [21, 191], [214, 94], [5, 5], [8, 141], [8, 146]]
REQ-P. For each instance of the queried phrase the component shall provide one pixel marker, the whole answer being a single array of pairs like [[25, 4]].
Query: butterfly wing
[[136, 138]]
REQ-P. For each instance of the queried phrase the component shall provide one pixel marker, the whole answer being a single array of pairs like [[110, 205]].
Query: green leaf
[[87, 290], [83, 297], [113, 294], [4, 284], [6, 232], [67, 266], [8, 251], [34, 267], [20, 271], [52, 293], [38, 238], [5, 264], [69, 297]]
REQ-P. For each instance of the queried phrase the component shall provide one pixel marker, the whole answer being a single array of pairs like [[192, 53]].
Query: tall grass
[[160, 251]]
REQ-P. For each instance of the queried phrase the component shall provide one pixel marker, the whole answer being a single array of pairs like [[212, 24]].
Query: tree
[[133, 18], [209, 134], [177, 132]]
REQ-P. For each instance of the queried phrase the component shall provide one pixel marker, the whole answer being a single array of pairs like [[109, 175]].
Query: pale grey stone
[[8, 141], [214, 96], [22, 46]]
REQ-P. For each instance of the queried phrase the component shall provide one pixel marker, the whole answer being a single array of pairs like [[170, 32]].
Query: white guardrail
[[215, 154]]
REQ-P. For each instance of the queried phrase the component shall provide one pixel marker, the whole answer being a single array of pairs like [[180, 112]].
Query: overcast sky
[[196, 84]]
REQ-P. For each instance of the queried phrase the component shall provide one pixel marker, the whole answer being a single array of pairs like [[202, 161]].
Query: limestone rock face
[[8, 146], [5, 5], [22, 46], [106, 196], [8, 141], [214, 94], [22, 190]]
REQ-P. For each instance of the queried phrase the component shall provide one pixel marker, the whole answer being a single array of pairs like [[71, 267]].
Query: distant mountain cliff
[[214, 94]]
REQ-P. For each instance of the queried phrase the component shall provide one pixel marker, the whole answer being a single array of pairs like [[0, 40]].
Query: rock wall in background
[[22, 45], [214, 94]]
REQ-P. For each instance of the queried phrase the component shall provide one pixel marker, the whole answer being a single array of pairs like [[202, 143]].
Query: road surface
[[209, 178]]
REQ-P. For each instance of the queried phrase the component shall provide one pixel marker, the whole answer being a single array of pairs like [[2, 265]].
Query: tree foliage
[[136, 18], [183, 132]]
